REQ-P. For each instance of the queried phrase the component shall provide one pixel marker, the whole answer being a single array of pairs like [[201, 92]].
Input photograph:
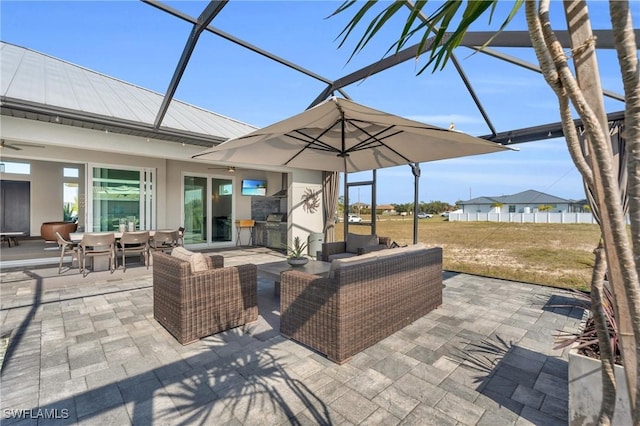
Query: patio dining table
[[102, 263], [76, 237]]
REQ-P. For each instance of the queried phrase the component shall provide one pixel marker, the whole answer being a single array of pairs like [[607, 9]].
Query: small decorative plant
[[297, 250]]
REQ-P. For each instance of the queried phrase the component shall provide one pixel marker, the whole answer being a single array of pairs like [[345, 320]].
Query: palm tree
[[583, 92]]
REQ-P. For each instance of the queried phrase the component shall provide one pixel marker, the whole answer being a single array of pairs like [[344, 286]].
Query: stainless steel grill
[[272, 226]]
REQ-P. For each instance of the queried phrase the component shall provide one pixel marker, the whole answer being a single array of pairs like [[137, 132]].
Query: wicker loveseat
[[365, 299], [355, 245], [192, 305]]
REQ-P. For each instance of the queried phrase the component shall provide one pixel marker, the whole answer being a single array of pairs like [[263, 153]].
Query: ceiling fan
[[16, 146], [230, 169]]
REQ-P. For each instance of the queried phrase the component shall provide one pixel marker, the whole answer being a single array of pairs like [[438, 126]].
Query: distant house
[[385, 209], [356, 207], [579, 206], [529, 201]]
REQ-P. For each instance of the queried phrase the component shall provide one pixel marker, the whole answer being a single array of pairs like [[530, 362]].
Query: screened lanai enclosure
[[287, 54]]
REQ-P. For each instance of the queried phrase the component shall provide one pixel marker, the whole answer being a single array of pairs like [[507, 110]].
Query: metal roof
[[38, 86], [170, 124]]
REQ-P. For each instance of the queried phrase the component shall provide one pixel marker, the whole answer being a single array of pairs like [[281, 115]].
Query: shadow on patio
[[485, 357]]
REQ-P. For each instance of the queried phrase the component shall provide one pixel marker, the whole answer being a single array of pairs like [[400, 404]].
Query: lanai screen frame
[[472, 40]]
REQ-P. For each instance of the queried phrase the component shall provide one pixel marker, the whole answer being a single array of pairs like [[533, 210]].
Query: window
[[71, 172], [15, 168], [70, 202], [120, 193], [512, 209]]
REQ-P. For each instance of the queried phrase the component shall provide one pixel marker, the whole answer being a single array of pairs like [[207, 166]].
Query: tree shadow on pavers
[[18, 334], [248, 385], [253, 388], [569, 305], [529, 384]]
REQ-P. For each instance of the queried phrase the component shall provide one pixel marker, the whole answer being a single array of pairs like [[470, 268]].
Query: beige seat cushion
[[355, 241], [349, 261], [340, 256], [400, 251], [197, 261]]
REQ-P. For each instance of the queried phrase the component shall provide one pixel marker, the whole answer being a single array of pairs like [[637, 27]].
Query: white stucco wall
[[64, 145], [301, 221]]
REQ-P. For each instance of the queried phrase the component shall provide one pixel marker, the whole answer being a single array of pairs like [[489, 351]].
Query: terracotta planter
[[48, 230], [585, 392]]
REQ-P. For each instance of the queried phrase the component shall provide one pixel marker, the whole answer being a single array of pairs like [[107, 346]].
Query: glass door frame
[[209, 208], [147, 188]]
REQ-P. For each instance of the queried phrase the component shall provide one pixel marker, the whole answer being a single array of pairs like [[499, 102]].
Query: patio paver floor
[[90, 350]]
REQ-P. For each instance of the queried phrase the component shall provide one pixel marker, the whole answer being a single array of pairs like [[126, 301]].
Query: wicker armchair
[[340, 249], [192, 305]]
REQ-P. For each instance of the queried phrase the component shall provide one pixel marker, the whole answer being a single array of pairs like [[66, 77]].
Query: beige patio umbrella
[[343, 136]]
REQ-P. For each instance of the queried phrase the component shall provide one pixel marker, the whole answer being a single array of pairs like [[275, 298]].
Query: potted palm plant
[[296, 255]]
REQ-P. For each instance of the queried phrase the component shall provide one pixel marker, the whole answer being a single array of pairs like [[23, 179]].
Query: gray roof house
[[522, 202]]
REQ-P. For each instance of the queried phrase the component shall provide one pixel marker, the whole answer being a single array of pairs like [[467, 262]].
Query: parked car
[[354, 219], [425, 215], [444, 214]]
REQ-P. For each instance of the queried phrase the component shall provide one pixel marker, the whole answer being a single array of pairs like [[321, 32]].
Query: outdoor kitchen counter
[[261, 237]]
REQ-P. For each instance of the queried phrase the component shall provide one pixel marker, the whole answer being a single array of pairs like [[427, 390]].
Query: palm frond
[[436, 36]]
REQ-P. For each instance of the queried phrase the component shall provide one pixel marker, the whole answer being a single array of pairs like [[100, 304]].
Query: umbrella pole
[[346, 187], [415, 169], [346, 204]]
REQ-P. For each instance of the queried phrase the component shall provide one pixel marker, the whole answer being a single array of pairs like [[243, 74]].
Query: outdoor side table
[[10, 237]]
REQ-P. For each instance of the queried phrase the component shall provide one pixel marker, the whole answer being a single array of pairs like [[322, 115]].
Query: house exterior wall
[[65, 146], [477, 208], [302, 222]]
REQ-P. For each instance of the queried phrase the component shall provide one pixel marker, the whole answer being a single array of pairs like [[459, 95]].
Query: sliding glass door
[[208, 209], [120, 195]]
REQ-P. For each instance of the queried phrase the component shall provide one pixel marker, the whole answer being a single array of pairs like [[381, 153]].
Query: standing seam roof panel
[[37, 78], [11, 58], [28, 82]]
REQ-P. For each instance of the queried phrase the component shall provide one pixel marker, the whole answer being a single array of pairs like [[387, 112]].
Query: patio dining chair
[[181, 236], [164, 241], [134, 242], [94, 245], [66, 245]]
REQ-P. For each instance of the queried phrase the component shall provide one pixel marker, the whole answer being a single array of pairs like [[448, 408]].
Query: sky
[[140, 44]]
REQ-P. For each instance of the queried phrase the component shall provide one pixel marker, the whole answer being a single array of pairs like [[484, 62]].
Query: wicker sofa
[[192, 305], [363, 300]]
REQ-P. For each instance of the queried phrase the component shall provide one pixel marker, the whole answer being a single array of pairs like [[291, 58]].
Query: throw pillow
[[198, 262], [181, 253], [355, 241]]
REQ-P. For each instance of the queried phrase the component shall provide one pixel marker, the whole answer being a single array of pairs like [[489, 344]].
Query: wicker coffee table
[[274, 269]]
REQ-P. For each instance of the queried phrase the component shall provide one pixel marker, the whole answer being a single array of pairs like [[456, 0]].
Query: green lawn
[[558, 255]]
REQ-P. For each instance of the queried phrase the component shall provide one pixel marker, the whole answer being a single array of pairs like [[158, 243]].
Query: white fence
[[541, 217]]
